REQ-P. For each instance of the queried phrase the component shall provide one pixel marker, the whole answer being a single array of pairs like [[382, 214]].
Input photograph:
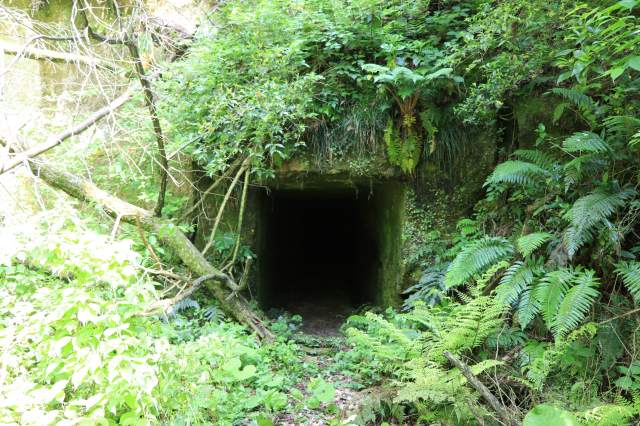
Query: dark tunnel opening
[[319, 255]]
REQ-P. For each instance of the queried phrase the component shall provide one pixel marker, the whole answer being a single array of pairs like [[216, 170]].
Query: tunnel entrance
[[325, 252]]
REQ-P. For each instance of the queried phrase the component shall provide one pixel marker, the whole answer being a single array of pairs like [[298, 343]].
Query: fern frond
[[527, 244], [583, 165], [475, 258], [585, 142], [623, 125], [516, 172], [182, 305], [393, 142], [634, 140], [576, 303], [514, 281], [537, 157], [630, 274], [550, 291], [528, 308], [590, 211], [576, 97], [466, 327]]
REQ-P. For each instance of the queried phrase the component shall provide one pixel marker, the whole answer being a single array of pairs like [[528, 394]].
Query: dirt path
[[343, 409]]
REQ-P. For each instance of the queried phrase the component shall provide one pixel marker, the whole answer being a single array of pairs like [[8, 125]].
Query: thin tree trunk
[[149, 99], [167, 232]]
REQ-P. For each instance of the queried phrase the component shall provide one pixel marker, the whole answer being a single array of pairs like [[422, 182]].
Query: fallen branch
[[59, 138], [505, 415], [169, 234]]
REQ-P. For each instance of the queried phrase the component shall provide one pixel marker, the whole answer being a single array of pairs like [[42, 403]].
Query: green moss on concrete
[[390, 206]]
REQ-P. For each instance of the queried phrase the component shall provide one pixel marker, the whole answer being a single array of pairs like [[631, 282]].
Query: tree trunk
[[167, 232]]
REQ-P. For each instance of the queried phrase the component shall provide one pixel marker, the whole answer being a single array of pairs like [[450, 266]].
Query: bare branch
[[25, 51], [502, 411], [59, 138]]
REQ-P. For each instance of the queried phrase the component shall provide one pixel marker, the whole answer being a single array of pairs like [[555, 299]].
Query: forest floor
[[321, 339]]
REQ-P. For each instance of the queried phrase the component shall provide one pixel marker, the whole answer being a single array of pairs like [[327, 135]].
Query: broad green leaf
[[634, 62], [628, 4], [548, 415], [616, 72]]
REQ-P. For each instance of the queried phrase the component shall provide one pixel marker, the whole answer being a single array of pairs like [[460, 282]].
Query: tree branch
[[77, 187], [497, 406], [46, 54], [59, 138], [131, 43]]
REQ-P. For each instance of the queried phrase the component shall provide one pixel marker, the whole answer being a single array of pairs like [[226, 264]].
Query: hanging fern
[[402, 152], [550, 291], [516, 172], [410, 153], [630, 274], [590, 211], [527, 244], [393, 143], [475, 258], [587, 142], [576, 303]]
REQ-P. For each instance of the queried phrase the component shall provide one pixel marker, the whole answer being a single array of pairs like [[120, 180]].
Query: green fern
[[549, 293], [515, 280], [586, 142], [622, 125], [576, 303], [393, 142], [516, 172], [581, 166], [460, 328], [634, 140], [630, 273], [578, 98], [527, 244], [618, 413], [475, 258], [515, 287], [590, 211], [537, 157], [410, 153], [528, 308]]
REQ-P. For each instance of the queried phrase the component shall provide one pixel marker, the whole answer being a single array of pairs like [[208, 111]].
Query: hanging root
[[244, 167]]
